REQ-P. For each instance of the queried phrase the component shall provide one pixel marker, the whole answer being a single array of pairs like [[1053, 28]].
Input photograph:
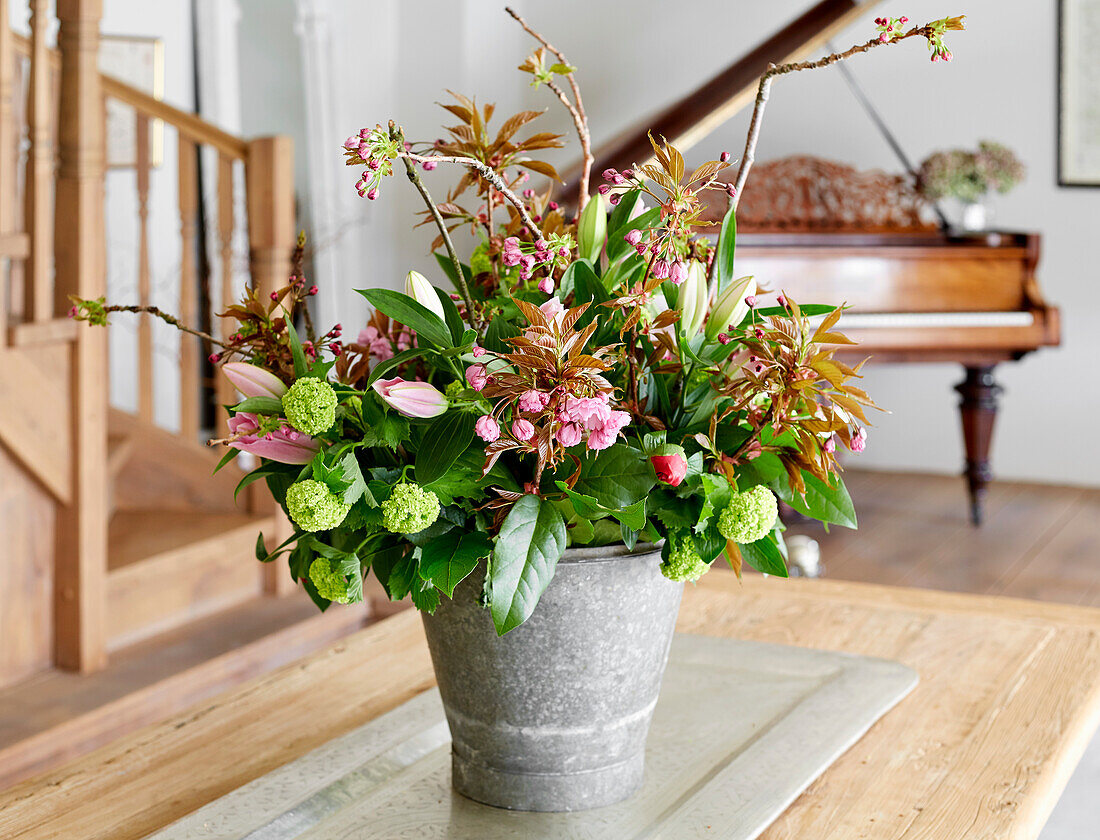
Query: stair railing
[[52, 239]]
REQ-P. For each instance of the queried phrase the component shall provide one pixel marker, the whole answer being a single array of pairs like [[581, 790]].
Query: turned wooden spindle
[[980, 395], [188, 290], [145, 321]]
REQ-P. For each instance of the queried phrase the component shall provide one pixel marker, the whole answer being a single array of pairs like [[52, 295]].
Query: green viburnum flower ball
[[750, 515], [453, 391], [310, 406], [314, 507], [410, 508], [330, 583], [684, 562]]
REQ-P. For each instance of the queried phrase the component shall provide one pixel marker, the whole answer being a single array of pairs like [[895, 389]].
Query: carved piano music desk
[[825, 232]]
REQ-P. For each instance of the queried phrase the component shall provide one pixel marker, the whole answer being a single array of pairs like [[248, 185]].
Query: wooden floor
[[1038, 541], [57, 715]]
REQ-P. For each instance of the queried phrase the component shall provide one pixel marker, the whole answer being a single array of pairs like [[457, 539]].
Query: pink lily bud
[[413, 399], [253, 381], [287, 445]]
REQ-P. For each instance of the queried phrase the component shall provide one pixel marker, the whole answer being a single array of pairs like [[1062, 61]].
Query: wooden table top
[[1008, 700]]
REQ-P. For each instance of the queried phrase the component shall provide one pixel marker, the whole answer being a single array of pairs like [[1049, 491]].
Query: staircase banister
[[190, 125]]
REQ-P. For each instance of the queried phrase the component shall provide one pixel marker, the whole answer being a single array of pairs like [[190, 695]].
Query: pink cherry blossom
[[569, 434], [553, 309], [533, 401], [487, 428], [859, 440], [523, 429], [477, 376], [603, 433]]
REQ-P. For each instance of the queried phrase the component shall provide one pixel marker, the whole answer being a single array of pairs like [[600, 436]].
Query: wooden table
[[1009, 698]]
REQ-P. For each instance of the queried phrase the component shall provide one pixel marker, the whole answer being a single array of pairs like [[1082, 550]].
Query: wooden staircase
[[128, 581]]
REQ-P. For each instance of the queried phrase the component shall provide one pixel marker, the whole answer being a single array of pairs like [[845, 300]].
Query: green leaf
[[392, 362], [453, 319], [632, 516], [716, 490], [499, 330], [528, 547], [300, 367], [727, 242], [617, 245], [620, 214], [407, 311], [425, 597], [825, 503], [229, 456], [383, 429], [260, 405], [449, 269], [447, 438], [592, 230], [764, 556], [617, 478], [448, 559]]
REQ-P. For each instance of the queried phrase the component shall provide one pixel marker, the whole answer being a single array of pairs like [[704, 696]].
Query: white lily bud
[[730, 307], [692, 299], [423, 292]]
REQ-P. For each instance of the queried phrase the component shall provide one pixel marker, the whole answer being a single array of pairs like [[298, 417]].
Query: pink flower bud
[[523, 429], [628, 173], [724, 157], [214, 358], [477, 377], [670, 469], [781, 300], [750, 301], [569, 434], [528, 193], [830, 445], [72, 311], [859, 440], [731, 190], [662, 270], [477, 351], [253, 381], [372, 193], [723, 338], [487, 428], [615, 199], [351, 143], [546, 285], [429, 165], [603, 189], [609, 174], [553, 205], [313, 290], [413, 399], [633, 236], [678, 273], [274, 295]]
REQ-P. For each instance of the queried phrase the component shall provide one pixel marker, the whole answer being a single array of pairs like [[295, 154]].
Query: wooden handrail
[[191, 126]]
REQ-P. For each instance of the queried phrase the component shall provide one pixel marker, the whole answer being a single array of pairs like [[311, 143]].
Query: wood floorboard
[[1038, 541]]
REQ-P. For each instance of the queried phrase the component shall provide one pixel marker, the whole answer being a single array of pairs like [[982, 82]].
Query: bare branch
[[580, 118], [488, 173], [414, 176], [782, 69]]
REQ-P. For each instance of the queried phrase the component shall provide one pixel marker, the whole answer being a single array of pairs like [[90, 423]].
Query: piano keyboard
[[911, 320]]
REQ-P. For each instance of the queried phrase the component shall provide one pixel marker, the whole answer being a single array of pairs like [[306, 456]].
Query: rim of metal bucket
[[608, 553]]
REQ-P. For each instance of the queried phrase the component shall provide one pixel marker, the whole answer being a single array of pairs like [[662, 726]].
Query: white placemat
[[740, 730]]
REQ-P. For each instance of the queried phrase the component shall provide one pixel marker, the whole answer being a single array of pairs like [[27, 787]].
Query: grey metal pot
[[553, 716]]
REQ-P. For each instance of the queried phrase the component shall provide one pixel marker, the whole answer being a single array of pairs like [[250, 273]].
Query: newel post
[[81, 559], [269, 185]]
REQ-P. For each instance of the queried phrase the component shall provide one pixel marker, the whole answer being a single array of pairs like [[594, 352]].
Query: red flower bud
[[670, 469]]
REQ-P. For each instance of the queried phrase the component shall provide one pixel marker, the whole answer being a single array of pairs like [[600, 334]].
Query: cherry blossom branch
[[168, 319], [580, 118], [414, 176], [774, 70], [487, 172]]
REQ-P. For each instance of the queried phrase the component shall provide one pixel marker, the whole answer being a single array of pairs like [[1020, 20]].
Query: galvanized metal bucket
[[553, 716]]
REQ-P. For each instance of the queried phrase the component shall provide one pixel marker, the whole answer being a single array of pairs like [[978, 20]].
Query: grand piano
[[826, 232]]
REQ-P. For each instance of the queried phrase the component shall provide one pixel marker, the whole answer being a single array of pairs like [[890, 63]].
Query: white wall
[[635, 57]]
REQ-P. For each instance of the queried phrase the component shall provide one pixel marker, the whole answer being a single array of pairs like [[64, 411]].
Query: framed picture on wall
[[1078, 93], [140, 63]]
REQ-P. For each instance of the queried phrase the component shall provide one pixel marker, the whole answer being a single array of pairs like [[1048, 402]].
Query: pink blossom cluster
[[379, 346], [890, 28], [543, 252], [373, 147], [663, 268], [591, 415]]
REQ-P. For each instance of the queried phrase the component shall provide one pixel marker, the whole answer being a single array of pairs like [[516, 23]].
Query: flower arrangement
[[597, 376], [970, 175]]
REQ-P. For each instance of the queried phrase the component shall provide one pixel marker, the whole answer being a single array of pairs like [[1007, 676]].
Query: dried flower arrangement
[[603, 377], [970, 176]]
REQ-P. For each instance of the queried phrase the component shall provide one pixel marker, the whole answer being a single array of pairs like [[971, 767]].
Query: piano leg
[[978, 408]]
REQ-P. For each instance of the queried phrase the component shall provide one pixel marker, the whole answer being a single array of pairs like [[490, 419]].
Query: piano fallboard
[[919, 296]]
